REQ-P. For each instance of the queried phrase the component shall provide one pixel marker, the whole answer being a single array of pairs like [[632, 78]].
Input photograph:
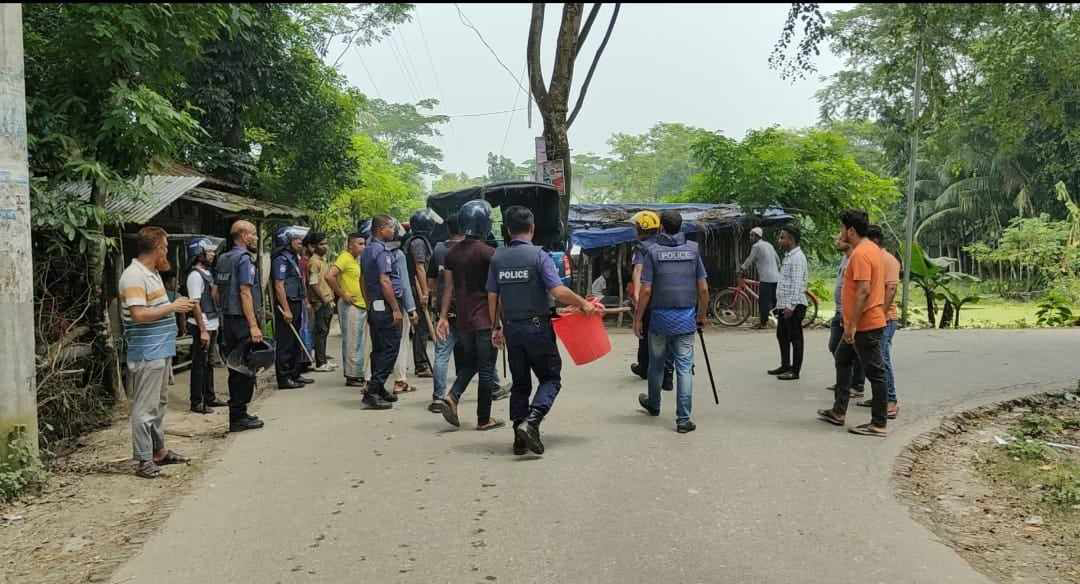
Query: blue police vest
[[372, 271], [675, 262], [521, 291], [294, 284], [206, 301], [227, 274]]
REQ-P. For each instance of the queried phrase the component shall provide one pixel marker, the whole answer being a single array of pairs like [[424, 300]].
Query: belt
[[537, 320]]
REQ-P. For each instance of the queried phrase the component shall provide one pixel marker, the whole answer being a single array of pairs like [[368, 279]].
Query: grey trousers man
[[149, 381]]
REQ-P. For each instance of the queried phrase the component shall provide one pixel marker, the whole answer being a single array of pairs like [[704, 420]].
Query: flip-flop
[[449, 412], [148, 470], [493, 425], [830, 417], [892, 415], [867, 430], [172, 458]]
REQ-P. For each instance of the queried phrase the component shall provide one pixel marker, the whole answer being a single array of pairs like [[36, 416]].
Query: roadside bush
[[1029, 450], [1038, 426], [20, 471], [1054, 311]]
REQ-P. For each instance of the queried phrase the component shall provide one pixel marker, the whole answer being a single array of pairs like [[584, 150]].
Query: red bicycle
[[731, 307]]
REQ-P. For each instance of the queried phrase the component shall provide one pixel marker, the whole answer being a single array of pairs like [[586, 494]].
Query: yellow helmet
[[646, 220]]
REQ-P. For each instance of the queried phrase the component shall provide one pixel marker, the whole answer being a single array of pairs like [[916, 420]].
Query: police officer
[[289, 294], [240, 298], [204, 317], [418, 249], [384, 293], [647, 225], [674, 289], [520, 280]]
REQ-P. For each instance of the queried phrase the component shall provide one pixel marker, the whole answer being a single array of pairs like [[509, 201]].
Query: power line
[[468, 23], [434, 70], [404, 72], [485, 113], [510, 118], [416, 74], [370, 78]]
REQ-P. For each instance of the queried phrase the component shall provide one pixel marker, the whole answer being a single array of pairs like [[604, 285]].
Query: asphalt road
[[760, 493]]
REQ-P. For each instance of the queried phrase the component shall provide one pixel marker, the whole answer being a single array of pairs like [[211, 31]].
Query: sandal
[[893, 412], [172, 458], [868, 430], [830, 417], [491, 425], [449, 412], [148, 470]]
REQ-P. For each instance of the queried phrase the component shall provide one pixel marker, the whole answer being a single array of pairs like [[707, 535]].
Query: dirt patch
[[1001, 509], [94, 513]]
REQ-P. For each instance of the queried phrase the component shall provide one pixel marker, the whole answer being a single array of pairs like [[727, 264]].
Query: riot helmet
[[284, 236], [423, 222], [475, 219], [250, 358]]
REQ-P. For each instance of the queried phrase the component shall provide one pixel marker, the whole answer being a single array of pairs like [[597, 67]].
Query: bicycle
[[731, 307]]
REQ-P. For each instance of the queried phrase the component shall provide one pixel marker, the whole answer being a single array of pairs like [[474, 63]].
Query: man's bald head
[[243, 233]]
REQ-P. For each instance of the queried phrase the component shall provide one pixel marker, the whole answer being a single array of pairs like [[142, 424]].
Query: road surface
[[760, 493]]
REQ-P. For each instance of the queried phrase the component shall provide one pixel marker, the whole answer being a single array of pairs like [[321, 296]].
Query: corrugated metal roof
[[238, 204], [159, 192]]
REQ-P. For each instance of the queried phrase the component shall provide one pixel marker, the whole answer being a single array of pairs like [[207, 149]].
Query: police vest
[[206, 301], [674, 263], [227, 274], [406, 246], [294, 284], [521, 291]]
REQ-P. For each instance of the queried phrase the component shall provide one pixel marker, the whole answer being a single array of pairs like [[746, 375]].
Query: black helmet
[[364, 229], [250, 358], [475, 219], [285, 235], [423, 222]]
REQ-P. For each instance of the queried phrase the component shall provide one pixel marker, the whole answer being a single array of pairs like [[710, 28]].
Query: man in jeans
[[765, 261], [150, 332], [320, 295], [863, 296], [673, 286], [836, 326], [791, 304], [465, 280], [345, 279], [892, 280]]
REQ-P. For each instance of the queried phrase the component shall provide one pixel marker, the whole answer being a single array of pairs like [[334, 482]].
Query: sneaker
[[789, 376], [289, 384], [324, 368], [202, 409], [386, 396], [424, 373], [304, 380], [520, 448], [375, 402], [779, 370], [529, 433], [643, 400], [639, 371], [354, 382], [436, 406], [501, 393], [684, 427]]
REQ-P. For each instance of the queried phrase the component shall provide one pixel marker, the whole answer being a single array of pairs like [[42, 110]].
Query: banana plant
[[934, 276]]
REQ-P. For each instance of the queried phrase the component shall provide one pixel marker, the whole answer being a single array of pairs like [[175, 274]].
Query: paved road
[[761, 493]]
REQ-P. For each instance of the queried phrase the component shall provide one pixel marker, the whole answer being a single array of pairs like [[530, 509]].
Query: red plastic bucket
[[584, 337]]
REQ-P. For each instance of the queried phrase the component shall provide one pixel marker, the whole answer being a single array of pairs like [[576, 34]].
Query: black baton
[[705, 351]]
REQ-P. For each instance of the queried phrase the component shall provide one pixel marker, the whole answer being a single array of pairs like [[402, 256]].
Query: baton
[[705, 351], [296, 334], [427, 318]]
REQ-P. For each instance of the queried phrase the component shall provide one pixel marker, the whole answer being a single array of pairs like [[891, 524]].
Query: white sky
[[704, 65]]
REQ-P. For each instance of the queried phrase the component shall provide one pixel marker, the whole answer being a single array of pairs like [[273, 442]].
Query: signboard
[[541, 150], [551, 173]]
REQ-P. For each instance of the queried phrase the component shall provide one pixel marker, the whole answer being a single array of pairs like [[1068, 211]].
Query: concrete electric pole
[[18, 396]]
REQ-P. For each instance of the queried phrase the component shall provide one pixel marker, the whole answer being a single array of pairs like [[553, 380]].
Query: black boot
[[669, 381], [529, 432], [519, 442]]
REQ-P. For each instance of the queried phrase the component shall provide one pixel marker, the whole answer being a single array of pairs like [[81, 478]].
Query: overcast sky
[[702, 65]]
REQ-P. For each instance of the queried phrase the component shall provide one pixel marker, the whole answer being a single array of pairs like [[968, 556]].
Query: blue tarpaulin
[[595, 226]]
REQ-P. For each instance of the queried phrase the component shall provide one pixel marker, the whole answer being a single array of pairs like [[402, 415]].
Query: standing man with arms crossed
[[765, 261], [289, 293], [791, 304], [891, 266], [521, 278], [864, 325], [465, 281], [346, 280], [647, 225], [382, 288], [150, 331], [200, 286], [240, 297], [673, 286]]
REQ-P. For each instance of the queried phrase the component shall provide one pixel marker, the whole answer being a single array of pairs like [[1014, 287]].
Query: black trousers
[[385, 342], [202, 373], [234, 331], [789, 334], [421, 334], [766, 301], [867, 349], [287, 362], [324, 314], [643, 351], [836, 331], [478, 357], [530, 348]]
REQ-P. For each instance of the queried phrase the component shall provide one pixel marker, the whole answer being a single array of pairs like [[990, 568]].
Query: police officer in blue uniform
[[521, 278], [289, 294], [674, 289], [384, 292], [239, 296], [647, 225]]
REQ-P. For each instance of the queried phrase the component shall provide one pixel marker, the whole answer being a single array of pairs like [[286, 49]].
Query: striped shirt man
[[146, 341], [791, 291]]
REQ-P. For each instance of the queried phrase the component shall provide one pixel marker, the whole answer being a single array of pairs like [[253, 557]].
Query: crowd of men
[[386, 283]]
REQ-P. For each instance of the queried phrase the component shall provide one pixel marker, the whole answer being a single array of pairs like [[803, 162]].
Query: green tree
[[385, 187], [455, 182], [656, 164], [404, 128], [501, 169]]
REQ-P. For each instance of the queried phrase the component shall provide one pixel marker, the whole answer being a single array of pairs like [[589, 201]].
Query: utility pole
[[18, 397], [909, 223]]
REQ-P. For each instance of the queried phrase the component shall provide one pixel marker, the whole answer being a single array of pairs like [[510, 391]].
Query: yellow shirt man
[[350, 277]]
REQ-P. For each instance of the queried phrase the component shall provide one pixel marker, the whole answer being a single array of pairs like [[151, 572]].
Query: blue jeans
[[886, 357], [682, 347]]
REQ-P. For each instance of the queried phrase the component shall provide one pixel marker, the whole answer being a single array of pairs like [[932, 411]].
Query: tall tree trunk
[[946, 315], [104, 342]]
